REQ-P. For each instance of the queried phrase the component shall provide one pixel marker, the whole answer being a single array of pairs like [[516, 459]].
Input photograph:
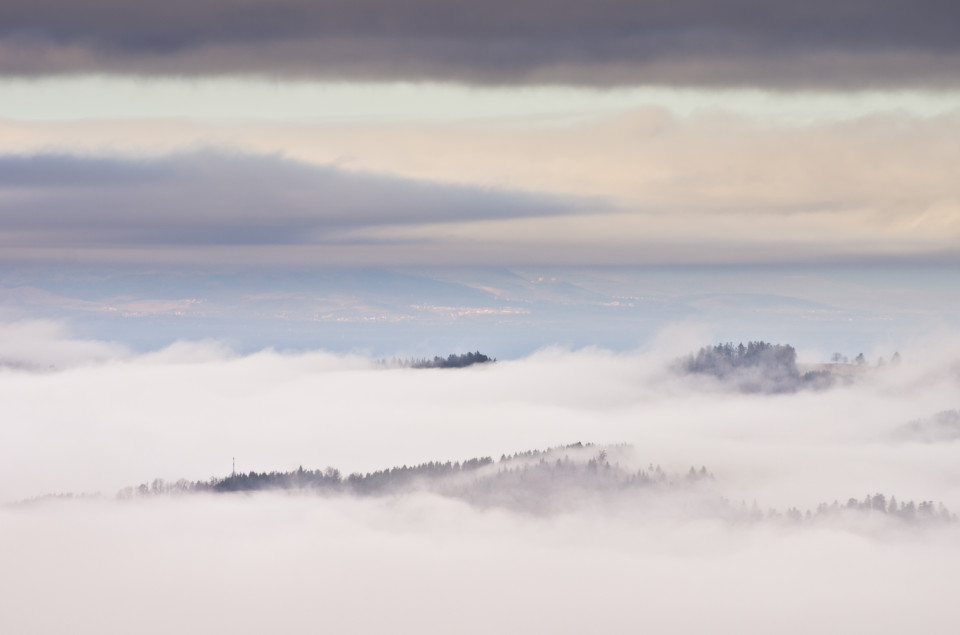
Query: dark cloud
[[213, 198], [695, 42]]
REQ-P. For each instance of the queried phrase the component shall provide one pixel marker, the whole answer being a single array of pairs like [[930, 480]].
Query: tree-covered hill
[[575, 477], [757, 367], [453, 360]]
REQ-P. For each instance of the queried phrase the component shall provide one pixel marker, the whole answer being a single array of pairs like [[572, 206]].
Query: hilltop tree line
[[539, 482], [861, 359], [545, 469], [450, 361], [754, 367], [330, 479]]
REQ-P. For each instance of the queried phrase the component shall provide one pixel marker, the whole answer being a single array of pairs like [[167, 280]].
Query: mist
[[92, 417]]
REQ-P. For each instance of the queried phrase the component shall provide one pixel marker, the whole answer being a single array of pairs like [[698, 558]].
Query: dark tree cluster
[[861, 359], [453, 361], [576, 477], [911, 512], [723, 359], [543, 482], [299, 479], [528, 455], [756, 367], [525, 476], [329, 480], [399, 478], [450, 361]]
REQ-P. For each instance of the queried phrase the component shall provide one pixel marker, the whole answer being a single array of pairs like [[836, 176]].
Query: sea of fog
[[92, 418]]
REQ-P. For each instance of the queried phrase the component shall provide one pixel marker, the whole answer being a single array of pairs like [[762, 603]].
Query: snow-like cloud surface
[[424, 565], [185, 411], [423, 562]]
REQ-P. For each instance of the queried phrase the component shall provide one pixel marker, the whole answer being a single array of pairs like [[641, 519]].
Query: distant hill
[[450, 361], [556, 480], [757, 367]]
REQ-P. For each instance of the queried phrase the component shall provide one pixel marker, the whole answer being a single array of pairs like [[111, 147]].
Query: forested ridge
[[566, 478], [454, 360], [755, 367]]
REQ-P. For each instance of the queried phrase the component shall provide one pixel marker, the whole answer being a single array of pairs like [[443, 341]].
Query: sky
[[220, 221], [530, 175], [625, 133], [623, 150]]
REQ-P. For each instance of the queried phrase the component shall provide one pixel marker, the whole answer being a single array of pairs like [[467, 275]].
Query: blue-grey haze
[[504, 312]]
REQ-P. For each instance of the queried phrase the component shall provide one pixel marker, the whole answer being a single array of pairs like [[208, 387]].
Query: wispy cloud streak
[[221, 199]]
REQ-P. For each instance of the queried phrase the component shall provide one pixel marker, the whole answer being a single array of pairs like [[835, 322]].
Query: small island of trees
[[450, 361], [556, 480], [754, 367]]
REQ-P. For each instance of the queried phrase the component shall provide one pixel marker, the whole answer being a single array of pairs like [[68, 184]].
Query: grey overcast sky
[[852, 43]]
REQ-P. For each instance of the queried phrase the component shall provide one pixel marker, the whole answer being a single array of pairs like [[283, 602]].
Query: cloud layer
[[217, 199], [119, 419], [425, 563], [738, 42], [644, 186], [428, 566]]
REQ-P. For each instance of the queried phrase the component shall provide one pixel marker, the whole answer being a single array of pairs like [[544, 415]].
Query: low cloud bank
[[465, 555], [114, 418], [39, 345], [425, 564], [578, 478]]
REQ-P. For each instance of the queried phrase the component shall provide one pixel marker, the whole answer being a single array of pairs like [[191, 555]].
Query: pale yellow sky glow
[[656, 174], [214, 99]]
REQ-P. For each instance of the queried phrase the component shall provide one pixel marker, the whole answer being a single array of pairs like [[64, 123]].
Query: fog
[[87, 417], [428, 565]]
